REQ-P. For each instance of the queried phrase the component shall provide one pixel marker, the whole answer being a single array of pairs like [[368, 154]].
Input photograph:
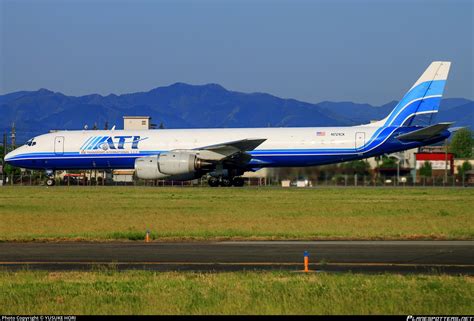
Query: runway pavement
[[454, 257]]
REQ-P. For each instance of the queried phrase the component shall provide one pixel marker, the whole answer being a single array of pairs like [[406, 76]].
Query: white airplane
[[225, 154]]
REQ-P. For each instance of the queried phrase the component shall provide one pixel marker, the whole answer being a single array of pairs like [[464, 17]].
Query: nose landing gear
[[50, 181]]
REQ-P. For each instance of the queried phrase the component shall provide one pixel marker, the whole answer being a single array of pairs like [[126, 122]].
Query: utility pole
[[446, 161], [3, 158], [4, 145], [13, 136], [399, 159], [398, 172]]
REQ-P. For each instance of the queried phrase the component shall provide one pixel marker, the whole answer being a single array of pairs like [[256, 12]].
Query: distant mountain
[[457, 110], [358, 113], [187, 106]]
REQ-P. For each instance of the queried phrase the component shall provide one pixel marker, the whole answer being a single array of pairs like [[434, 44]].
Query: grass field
[[111, 213], [140, 292]]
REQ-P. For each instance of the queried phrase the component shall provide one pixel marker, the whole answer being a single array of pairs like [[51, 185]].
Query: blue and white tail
[[422, 101]]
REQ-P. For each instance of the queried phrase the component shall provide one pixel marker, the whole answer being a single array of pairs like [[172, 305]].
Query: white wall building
[[136, 122], [407, 158]]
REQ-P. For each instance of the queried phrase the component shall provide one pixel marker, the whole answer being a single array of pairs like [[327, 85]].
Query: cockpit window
[[31, 142]]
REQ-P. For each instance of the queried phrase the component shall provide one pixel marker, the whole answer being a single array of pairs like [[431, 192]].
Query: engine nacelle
[[169, 165]]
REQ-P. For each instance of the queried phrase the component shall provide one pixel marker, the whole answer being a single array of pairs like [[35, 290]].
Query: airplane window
[[30, 142]]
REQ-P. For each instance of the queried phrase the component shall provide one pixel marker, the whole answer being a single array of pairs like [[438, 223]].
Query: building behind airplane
[[225, 154]]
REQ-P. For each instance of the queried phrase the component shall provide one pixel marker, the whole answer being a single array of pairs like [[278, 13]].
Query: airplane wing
[[230, 148], [424, 133], [234, 151]]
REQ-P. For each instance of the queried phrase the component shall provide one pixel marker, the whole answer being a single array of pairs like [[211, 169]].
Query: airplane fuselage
[[118, 149]]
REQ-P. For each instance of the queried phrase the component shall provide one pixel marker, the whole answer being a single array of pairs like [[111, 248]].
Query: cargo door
[[359, 140]]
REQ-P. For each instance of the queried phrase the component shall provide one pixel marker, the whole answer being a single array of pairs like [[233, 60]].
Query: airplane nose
[[8, 157]]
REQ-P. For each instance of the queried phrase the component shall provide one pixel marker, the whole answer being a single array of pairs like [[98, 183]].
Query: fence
[[32, 178]]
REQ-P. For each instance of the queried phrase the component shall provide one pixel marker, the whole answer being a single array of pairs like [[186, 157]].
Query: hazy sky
[[363, 51]]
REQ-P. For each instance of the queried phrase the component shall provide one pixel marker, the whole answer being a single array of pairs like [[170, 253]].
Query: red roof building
[[438, 162]]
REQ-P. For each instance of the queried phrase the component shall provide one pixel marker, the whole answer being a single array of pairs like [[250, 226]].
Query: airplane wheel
[[213, 182], [50, 182], [238, 181], [226, 182]]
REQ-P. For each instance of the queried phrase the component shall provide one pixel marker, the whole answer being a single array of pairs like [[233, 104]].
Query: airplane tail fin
[[422, 101]]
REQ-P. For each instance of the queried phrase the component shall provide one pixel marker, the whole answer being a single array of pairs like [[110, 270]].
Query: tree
[[463, 169], [462, 143], [426, 169], [360, 167], [388, 162], [11, 170], [162, 126]]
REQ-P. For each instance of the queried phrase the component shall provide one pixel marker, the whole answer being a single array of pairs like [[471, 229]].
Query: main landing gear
[[225, 181]]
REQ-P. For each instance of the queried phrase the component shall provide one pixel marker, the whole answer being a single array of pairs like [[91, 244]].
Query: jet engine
[[170, 165]]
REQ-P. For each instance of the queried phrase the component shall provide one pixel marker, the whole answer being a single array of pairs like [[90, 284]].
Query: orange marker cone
[[306, 261]]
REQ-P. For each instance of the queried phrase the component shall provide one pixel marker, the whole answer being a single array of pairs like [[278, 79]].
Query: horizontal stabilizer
[[424, 133], [455, 129]]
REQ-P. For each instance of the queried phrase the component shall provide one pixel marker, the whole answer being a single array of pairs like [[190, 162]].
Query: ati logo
[[111, 142]]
